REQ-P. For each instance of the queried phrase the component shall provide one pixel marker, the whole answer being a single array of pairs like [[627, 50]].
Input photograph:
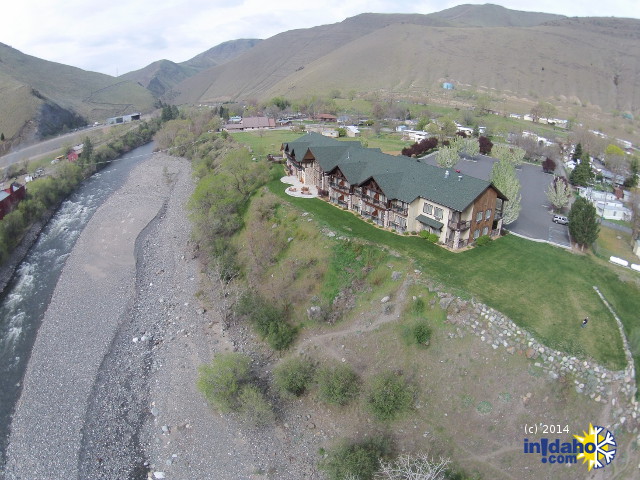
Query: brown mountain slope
[[489, 15], [160, 76], [274, 59], [38, 97], [594, 60]]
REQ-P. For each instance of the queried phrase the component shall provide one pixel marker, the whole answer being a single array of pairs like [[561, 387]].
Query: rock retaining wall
[[590, 378]]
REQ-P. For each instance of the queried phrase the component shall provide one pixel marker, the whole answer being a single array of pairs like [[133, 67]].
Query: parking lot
[[535, 219]]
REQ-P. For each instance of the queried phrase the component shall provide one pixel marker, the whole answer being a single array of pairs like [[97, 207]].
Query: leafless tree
[[226, 292], [416, 467]]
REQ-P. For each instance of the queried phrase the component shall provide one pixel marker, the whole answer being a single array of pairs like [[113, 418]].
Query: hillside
[[39, 97], [582, 60], [489, 15], [160, 76]]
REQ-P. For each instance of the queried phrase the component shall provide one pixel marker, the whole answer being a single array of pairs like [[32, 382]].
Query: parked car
[[560, 219]]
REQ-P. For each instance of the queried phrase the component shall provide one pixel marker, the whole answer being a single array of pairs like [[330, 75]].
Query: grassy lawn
[[613, 242], [387, 142], [543, 289], [265, 142]]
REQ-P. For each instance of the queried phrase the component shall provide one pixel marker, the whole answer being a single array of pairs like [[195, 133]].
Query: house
[[326, 117], [10, 197], [397, 192], [352, 131], [250, 123], [613, 210]]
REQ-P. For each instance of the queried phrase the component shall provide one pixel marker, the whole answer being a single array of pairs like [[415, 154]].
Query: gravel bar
[[110, 389]]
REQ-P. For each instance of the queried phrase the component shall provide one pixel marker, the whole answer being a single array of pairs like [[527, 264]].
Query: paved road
[[48, 146], [616, 226], [536, 214]]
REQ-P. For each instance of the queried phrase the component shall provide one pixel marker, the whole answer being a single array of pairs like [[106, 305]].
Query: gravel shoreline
[[110, 391]]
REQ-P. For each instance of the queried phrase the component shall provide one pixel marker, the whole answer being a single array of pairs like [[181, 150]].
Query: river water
[[25, 300]]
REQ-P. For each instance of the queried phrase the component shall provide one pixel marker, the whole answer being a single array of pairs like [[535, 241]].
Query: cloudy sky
[[117, 36]]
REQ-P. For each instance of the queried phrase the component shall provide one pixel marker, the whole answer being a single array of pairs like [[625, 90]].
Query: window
[[487, 215], [438, 213], [479, 217], [427, 208], [476, 234], [485, 230]]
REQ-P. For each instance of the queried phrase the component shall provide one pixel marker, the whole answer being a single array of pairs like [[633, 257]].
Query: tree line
[[45, 194]]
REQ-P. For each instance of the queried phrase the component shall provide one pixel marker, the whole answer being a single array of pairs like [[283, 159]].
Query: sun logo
[[598, 449]]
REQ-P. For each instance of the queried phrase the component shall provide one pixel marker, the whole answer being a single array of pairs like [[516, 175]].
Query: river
[[25, 299]]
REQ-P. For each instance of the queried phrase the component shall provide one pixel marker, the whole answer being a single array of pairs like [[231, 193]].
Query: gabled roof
[[399, 177]]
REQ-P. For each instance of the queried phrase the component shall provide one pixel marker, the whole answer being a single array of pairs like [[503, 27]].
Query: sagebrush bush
[[268, 321], [338, 384], [281, 335], [222, 381], [417, 333], [388, 396], [293, 376], [254, 406], [356, 459]]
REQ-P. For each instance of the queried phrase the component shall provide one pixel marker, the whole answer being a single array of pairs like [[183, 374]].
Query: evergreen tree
[[577, 152], [87, 151], [583, 222], [582, 174]]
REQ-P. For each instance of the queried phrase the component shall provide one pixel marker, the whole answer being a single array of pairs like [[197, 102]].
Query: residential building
[[326, 117], [10, 197], [250, 123], [397, 192]]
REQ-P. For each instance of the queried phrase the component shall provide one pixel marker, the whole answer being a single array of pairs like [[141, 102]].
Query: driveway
[[535, 216]]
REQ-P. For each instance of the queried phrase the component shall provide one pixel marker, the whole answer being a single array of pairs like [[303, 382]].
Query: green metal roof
[[399, 177], [430, 221]]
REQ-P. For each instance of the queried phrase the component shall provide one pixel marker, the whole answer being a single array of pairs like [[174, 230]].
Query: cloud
[[119, 36]]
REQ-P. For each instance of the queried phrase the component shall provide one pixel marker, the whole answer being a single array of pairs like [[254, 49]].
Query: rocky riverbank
[[110, 390]]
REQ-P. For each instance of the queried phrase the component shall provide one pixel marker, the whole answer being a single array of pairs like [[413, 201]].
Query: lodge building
[[397, 192]]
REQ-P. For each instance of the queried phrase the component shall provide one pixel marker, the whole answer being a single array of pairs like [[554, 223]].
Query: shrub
[[419, 333], [483, 240], [293, 376], [223, 380], [418, 306], [337, 384], [267, 320], [354, 459], [418, 466], [281, 335], [388, 396], [429, 237], [254, 407]]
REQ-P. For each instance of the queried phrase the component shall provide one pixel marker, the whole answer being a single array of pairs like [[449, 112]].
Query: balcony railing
[[459, 225], [401, 210], [342, 188], [374, 201], [461, 243], [398, 227]]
